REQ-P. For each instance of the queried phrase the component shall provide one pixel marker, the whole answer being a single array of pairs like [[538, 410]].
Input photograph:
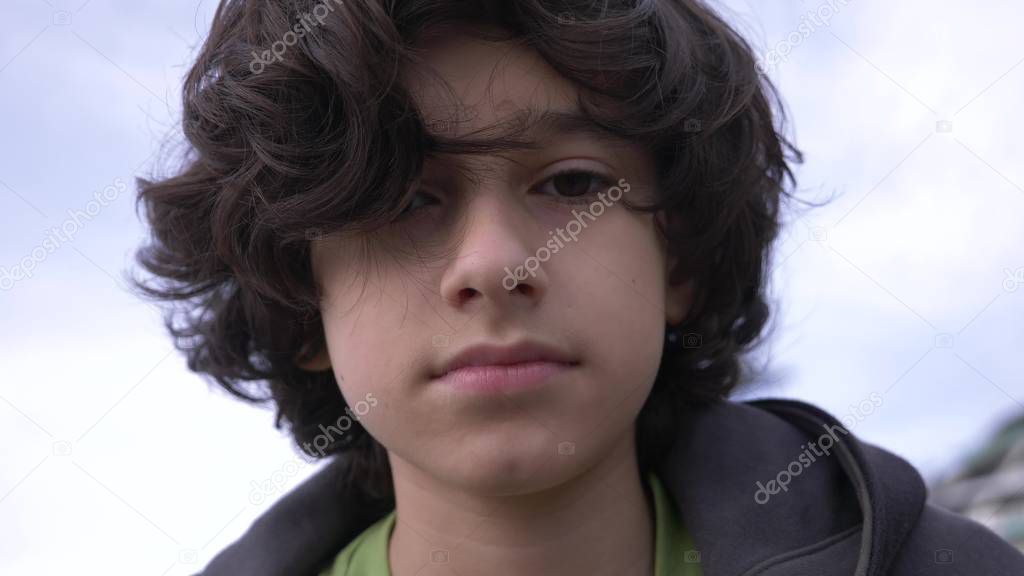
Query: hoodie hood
[[790, 487], [767, 488]]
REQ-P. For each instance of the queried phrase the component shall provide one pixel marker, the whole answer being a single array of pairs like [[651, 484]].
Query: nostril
[[525, 289], [467, 294]]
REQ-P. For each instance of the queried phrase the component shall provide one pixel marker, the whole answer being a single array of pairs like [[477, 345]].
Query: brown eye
[[575, 184], [419, 200]]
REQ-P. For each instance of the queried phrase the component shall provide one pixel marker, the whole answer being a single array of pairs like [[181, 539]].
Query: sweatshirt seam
[[847, 452], [805, 551]]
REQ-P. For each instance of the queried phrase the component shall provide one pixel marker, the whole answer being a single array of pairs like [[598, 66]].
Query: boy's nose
[[496, 259]]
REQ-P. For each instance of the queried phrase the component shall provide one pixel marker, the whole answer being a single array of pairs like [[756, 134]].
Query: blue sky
[[909, 285]]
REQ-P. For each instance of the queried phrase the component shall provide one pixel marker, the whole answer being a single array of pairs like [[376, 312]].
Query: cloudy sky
[[907, 288]]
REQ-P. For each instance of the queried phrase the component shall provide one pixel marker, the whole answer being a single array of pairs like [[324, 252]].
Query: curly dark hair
[[295, 127]]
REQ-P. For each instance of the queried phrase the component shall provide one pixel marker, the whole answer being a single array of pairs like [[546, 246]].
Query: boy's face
[[393, 318]]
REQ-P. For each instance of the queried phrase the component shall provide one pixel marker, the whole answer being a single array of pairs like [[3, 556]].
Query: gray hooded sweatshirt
[[766, 488]]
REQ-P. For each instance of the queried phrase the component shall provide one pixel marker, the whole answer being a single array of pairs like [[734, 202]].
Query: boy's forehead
[[472, 85]]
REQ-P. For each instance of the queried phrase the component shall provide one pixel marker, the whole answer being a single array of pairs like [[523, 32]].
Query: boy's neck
[[599, 523]]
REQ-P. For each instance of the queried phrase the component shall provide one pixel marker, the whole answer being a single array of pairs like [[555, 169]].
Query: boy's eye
[[573, 185], [417, 203]]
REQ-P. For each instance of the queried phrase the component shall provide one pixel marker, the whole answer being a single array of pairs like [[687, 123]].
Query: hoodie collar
[[890, 492], [846, 507], [844, 512]]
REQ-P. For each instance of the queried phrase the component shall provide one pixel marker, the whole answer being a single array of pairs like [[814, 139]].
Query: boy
[[499, 261]]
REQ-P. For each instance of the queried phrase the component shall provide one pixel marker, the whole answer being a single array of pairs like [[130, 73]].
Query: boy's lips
[[504, 378], [522, 352]]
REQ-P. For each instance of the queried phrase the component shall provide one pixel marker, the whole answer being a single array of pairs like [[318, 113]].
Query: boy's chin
[[528, 461]]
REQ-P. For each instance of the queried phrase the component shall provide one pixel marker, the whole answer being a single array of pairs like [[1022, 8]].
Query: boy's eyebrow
[[529, 127], [563, 122]]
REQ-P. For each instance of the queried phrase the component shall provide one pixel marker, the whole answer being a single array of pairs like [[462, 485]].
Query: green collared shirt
[[674, 553]]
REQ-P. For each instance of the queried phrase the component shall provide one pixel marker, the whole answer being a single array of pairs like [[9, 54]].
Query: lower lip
[[503, 379]]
